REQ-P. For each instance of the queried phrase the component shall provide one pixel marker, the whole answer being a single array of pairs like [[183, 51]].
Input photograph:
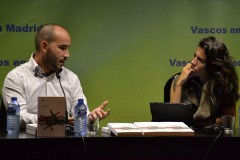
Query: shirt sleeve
[[76, 91], [13, 87]]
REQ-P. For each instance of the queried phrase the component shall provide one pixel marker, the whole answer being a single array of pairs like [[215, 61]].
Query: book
[[31, 129], [106, 130], [164, 129], [51, 117], [124, 129], [31, 132], [151, 129]]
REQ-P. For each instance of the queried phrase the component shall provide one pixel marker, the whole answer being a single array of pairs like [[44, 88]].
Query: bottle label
[[11, 110]]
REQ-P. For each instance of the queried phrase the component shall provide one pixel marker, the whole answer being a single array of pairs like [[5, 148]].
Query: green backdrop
[[122, 50]]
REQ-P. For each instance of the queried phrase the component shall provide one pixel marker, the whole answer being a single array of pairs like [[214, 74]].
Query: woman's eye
[[201, 60]]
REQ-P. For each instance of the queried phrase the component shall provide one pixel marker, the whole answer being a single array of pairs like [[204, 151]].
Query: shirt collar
[[33, 63]]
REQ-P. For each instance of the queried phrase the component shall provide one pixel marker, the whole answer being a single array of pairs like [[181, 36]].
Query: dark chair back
[[167, 88], [3, 117]]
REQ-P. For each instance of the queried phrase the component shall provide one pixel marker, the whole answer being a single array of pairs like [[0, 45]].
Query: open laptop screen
[[172, 112]]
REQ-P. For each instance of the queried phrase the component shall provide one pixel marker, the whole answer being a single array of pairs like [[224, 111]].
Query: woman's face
[[199, 64]]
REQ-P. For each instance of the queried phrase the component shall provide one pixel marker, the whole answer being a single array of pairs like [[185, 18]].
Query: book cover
[[51, 116], [164, 129], [124, 129]]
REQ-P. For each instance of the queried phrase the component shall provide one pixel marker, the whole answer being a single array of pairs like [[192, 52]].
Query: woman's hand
[[185, 74]]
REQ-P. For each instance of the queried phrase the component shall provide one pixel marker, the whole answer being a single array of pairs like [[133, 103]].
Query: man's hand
[[99, 112], [71, 120]]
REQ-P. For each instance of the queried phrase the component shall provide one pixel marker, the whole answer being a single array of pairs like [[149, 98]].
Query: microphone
[[201, 88], [59, 78], [213, 129]]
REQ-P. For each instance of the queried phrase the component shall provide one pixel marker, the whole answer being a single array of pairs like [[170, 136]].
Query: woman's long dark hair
[[224, 78]]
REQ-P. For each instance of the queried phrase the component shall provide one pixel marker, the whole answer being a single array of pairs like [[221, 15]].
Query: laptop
[[172, 112]]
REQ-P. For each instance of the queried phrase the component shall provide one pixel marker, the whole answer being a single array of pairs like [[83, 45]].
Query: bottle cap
[[80, 101], [14, 98]]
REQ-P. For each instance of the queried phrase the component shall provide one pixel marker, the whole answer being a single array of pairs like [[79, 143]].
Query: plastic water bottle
[[80, 118], [13, 116]]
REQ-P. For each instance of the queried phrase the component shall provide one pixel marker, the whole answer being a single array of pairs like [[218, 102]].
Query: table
[[24, 146]]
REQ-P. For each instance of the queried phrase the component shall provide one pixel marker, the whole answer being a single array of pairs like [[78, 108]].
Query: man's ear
[[44, 46]]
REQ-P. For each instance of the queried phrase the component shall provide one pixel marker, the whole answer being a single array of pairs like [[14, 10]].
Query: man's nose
[[66, 54]]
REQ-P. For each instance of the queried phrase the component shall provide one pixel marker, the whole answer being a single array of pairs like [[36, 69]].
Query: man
[[44, 75]]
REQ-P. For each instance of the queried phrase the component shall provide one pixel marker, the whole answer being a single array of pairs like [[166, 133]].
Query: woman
[[210, 82]]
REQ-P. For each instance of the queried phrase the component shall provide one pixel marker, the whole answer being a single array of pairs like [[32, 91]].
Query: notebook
[[172, 112]]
